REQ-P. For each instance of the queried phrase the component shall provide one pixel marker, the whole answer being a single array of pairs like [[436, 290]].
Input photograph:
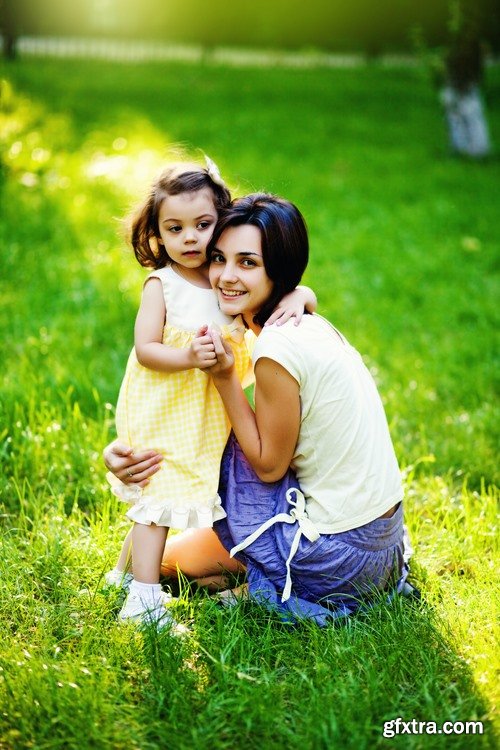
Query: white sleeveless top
[[344, 458]]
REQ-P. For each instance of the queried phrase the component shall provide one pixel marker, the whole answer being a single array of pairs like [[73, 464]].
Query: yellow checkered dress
[[179, 414]]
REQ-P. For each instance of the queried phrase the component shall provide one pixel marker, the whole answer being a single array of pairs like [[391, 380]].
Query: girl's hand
[[202, 350], [131, 467], [293, 305], [225, 358]]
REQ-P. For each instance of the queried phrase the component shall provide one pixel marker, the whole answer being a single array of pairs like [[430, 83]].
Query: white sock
[[147, 592]]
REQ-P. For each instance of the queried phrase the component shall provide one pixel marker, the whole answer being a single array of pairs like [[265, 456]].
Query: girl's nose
[[190, 235]]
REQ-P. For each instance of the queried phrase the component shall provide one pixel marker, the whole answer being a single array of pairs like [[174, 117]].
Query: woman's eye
[[248, 263], [217, 258]]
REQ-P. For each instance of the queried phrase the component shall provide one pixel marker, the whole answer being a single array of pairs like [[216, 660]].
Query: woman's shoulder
[[295, 333], [311, 325], [287, 338], [314, 336]]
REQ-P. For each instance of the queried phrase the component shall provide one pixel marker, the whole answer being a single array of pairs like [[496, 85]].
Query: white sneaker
[[153, 612], [118, 579]]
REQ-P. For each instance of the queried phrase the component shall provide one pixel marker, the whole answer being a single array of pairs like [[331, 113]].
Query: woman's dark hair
[[177, 178], [285, 244]]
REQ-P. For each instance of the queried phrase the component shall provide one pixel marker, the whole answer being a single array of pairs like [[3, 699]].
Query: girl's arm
[[267, 437], [150, 351], [293, 305]]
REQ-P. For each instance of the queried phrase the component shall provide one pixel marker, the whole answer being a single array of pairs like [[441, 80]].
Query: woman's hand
[[131, 467], [293, 305], [224, 366], [202, 350]]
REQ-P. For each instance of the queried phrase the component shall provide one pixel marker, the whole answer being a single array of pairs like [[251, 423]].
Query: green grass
[[404, 249]]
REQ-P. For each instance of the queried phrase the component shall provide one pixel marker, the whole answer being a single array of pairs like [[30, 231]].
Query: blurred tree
[[11, 14], [472, 24]]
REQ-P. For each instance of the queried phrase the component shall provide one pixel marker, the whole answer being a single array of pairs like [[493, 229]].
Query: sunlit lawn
[[405, 244]]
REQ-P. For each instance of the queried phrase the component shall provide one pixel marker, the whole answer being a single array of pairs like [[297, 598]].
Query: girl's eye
[[204, 224], [174, 229]]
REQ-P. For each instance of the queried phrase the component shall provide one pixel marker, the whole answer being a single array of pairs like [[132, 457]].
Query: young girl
[[166, 399]]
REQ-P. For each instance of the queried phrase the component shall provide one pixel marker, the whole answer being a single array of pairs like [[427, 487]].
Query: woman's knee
[[196, 553]]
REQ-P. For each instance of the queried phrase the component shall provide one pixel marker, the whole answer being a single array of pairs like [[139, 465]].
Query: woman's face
[[237, 272]]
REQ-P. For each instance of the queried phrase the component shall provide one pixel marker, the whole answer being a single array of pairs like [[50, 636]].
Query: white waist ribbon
[[298, 514]]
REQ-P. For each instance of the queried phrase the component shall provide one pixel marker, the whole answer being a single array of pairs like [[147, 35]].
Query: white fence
[[127, 51]]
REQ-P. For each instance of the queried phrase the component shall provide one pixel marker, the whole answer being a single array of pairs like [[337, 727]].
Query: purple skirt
[[292, 569]]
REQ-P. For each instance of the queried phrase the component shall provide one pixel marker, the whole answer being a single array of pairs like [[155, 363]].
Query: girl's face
[[237, 272], [186, 223]]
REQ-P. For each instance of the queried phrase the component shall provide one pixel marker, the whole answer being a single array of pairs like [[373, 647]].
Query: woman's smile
[[231, 292]]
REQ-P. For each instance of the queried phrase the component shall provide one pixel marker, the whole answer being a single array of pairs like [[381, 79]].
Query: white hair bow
[[213, 172]]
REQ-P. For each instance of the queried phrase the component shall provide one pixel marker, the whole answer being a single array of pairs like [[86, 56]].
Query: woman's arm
[[267, 437], [293, 305], [150, 351]]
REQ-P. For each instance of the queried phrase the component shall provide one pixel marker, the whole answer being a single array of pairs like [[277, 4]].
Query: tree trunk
[[468, 129], [9, 46]]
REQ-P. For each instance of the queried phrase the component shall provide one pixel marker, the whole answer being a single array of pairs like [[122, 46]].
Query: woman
[[324, 549]]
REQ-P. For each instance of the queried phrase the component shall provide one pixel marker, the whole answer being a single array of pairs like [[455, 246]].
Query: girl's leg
[[198, 554], [145, 602], [148, 543], [124, 559], [119, 577]]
